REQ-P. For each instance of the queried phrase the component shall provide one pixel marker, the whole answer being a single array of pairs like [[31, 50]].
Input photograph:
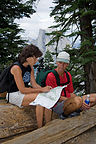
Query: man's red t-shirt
[[51, 81]]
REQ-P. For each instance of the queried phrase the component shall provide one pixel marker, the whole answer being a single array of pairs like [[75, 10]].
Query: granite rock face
[[43, 39]]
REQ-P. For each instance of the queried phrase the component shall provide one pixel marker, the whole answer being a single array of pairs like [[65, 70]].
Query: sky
[[39, 20]]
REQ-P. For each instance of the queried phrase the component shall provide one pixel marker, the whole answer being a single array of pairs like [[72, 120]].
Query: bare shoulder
[[15, 69]]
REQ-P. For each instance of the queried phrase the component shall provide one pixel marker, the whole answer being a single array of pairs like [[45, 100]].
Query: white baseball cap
[[63, 57]]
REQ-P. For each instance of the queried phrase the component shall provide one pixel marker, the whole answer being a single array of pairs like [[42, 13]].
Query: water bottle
[[87, 101]]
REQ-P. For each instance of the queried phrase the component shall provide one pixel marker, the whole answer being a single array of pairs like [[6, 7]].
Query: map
[[48, 99]]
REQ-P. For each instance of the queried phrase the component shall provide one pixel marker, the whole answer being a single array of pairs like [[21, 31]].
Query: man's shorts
[[58, 108]]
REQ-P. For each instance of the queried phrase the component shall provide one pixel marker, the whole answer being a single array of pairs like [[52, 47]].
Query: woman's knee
[[28, 98]]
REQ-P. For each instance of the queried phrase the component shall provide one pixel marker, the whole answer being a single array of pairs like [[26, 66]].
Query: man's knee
[[78, 101], [73, 104]]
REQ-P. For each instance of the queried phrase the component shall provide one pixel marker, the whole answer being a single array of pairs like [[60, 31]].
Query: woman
[[21, 74]]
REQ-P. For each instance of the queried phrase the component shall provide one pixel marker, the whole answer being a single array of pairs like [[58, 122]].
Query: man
[[68, 101]]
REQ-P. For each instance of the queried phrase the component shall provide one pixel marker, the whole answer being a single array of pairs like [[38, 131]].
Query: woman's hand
[[46, 89], [31, 61]]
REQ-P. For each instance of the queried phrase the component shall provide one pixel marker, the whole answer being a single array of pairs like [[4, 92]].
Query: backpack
[[5, 82], [42, 75]]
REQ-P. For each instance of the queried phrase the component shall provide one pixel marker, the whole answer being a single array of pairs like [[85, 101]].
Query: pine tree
[[77, 19], [10, 39], [48, 60]]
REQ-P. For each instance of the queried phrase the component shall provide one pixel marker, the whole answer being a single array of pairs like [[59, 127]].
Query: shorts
[[59, 108], [16, 98]]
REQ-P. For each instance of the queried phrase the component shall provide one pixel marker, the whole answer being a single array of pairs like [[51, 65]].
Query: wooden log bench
[[59, 131], [15, 120]]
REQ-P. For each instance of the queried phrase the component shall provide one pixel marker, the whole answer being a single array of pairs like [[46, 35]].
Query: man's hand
[[84, 105]]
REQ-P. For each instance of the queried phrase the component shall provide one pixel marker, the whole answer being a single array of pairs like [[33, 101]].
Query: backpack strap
[[58, 79], [68, 79], [56, 76]]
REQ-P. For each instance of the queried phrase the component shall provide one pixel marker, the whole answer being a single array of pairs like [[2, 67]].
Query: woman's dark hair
[[29, 51]]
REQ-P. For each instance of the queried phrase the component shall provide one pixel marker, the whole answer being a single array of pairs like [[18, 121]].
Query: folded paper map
[[48, 99]]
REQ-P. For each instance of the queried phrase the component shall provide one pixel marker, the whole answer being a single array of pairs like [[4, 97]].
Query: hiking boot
[[63, 116]]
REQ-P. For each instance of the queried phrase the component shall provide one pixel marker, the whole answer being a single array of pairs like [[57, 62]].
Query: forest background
[[73, 18]]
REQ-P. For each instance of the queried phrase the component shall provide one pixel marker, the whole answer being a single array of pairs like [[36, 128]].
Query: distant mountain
[[43, 39]]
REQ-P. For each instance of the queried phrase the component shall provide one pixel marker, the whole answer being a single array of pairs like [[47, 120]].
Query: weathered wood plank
[[14, 120], [88, 137], [59, 131]]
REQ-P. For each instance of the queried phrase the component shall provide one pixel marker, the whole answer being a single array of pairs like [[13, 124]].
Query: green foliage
[[76, 69], [10, 39], [48, 60], [69, 13], [77, 19]]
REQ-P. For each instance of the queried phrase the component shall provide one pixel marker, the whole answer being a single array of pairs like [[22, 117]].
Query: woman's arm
[[17, 73], [33, 81]]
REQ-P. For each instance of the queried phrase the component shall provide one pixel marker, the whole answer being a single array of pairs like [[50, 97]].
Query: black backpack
[[5, 83], [5, 80], [42, 75]]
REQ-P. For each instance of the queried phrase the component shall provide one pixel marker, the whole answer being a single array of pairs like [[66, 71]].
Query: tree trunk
[[89, 67], [90, 70]]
